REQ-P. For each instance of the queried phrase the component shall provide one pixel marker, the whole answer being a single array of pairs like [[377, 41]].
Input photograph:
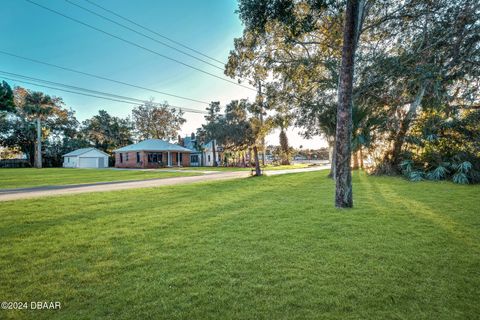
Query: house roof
[[190, 144], [81, 151], [153, 145], [209, 146]]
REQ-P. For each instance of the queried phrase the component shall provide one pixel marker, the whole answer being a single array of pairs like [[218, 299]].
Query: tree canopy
[[156, 121]]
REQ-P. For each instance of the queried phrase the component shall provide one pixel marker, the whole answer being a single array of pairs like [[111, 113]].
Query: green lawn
[[23, 178], [255, 248]]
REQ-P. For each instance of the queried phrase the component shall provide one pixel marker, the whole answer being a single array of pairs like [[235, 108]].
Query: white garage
[[85, 158]]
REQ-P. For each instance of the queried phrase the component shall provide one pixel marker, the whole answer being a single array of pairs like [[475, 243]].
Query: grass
[[256, 248], [23, 178]]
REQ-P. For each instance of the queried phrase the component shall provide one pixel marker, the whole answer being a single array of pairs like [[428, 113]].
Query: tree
[[107, 132], [210, 130], [40, 107], [232, 129], [157, 121], [284, 117], [433, 60], [6, 98], [365, 124], [413, 54], [238, 129], [19, 129], [285, 148], [298, 44], [259, 129], [444, 144], [343, 175], [64, 136], [283, 121]]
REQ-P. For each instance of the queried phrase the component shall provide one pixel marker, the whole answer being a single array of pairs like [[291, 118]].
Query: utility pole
[[38, 162], [260, 99]]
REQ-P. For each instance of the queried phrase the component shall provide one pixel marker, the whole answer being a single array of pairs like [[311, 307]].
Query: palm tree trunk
[[38, 149], [343, 187], [257, 161]]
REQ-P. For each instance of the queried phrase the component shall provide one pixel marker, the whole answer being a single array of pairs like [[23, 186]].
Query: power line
[[99, 77], [64, 90], [85, 91], [90, 91], [136, 44], [142, 34], [153, 31]]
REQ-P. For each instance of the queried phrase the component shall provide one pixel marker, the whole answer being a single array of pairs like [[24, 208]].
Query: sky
[[206, 26]]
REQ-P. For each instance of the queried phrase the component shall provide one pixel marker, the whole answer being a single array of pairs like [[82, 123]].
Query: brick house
[[152, 153]]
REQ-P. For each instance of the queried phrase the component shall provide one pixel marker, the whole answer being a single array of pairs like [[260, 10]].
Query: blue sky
[[207, 26]]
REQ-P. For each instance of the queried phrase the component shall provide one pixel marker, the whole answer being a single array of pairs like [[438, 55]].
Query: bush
[[461, 172], [444, 145]]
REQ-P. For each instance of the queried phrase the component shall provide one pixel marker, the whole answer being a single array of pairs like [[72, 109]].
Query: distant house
[[85, 158], [202, 155], [152, 153], [208, 154], [299, 157], [196, 154]]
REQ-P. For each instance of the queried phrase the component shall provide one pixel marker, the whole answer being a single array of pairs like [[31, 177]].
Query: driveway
[[37, 192]]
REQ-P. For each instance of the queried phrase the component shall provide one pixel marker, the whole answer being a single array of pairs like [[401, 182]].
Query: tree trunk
[[405, 126], [260, 102], [214, 153], [343, 187], [249, 157], [38, 149], [257, 161], [398, 143], [284, 147], [331, 158], [360, 155]]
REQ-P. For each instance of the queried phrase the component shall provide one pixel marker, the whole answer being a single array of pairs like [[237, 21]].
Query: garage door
[[88, 163]]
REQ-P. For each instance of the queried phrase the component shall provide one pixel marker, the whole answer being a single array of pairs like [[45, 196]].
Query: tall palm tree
[[364, 125], [38, 106], [283, 121]]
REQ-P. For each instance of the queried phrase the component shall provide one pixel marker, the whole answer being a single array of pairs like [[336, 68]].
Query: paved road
[[285, 171], [36, 192]]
